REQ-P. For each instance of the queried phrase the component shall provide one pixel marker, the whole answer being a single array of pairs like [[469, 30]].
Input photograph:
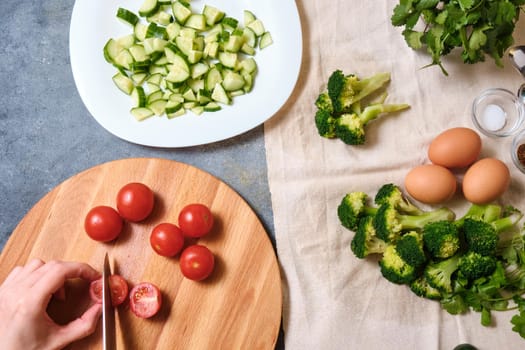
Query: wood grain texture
[[238, 307]]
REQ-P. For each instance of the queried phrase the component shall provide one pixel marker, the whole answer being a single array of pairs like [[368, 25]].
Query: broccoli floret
[[473, 265], [350, 127], [345, 90], [389, 222], [365, 241], [410, 249], [390, 193], [394, 268], [353, 206], [325, 123], [480, 236], [324, 102], [441, 239], [422, 288], [439, 274]]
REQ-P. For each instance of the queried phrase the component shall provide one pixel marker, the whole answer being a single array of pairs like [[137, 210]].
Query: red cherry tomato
[[145, 300], [135, 201], [118, 286], [103, 223], [195, 220], [196, 262], [166, 239]]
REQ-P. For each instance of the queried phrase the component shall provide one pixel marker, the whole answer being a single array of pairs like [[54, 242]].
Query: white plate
[[93, 22]]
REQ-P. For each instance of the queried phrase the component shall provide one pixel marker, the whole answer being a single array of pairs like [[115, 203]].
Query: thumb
[[81, 327]]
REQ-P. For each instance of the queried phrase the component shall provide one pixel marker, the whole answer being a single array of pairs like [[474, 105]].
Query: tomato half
[[166, 239], [195, 220], [135, 201], [145, 299], [118, 286], [103, 223], [196, 262]]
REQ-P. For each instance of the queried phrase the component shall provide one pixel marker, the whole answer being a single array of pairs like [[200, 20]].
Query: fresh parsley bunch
[[479, 27]]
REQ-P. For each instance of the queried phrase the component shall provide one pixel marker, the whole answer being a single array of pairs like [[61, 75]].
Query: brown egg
[[455, 148], [486, 180], [430, 183]]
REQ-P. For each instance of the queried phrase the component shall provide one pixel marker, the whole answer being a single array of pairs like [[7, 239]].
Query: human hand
[[24, 297]]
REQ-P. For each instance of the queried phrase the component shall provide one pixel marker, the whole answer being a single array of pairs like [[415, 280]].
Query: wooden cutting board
[[238, 307]]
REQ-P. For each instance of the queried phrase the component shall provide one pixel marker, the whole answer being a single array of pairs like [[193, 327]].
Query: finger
[[79, 328], [22, 274], [55, 273]]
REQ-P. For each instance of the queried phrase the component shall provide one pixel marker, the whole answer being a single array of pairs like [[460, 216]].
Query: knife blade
[[108, 313]]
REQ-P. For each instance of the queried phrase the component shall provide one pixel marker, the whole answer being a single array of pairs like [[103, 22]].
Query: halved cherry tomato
[[103, 223], [145, 299], [196, 262], [135, 201], [166, 239], [118, 286], [195, 220]]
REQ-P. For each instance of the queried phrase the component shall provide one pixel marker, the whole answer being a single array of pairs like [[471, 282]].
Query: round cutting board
[[237, 307]]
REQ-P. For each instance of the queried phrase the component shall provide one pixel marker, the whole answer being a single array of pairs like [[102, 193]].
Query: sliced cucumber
[[127, 16], [212, 14], [177, 60], [266, 40], [149, 8], [141, 113]]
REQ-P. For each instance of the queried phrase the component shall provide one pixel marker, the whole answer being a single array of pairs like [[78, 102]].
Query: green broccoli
[[439, 274], [410, 249], [325, 123], [473, 265], [350, 127], [345, 90], [484, 212], [394, 268], [390, 193], [422, 288], [480, 236], [389, 222], [441, 239], [324, 102], [353, 206], [365, 241]]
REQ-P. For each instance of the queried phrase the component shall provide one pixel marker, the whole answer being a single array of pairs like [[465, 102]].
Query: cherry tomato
[[166, 239], [135, 201], [118, 286], [196, 262], [145, 299], [103, 223], [195, 220]]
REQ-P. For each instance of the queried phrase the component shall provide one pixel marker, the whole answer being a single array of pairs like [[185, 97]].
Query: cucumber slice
[[180, 12], [140, 31], [139, 96], [250, 37], [158, 106], [177, 75], [228, 59], [141, 113], [138, 78], [232, 81], [196, 21], [266, 40], [127, 16], [111, 50], [212, 107], [257, 26], [123, 59], [212, 14], [173, 30], [138, 52], [155, 95], [248, 17], [126, 41], [149, 8], [123, 82], [220, 95], [213, 77], [172, 107]]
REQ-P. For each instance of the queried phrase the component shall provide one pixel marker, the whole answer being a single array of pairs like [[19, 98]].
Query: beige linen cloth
[[333, 300]]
